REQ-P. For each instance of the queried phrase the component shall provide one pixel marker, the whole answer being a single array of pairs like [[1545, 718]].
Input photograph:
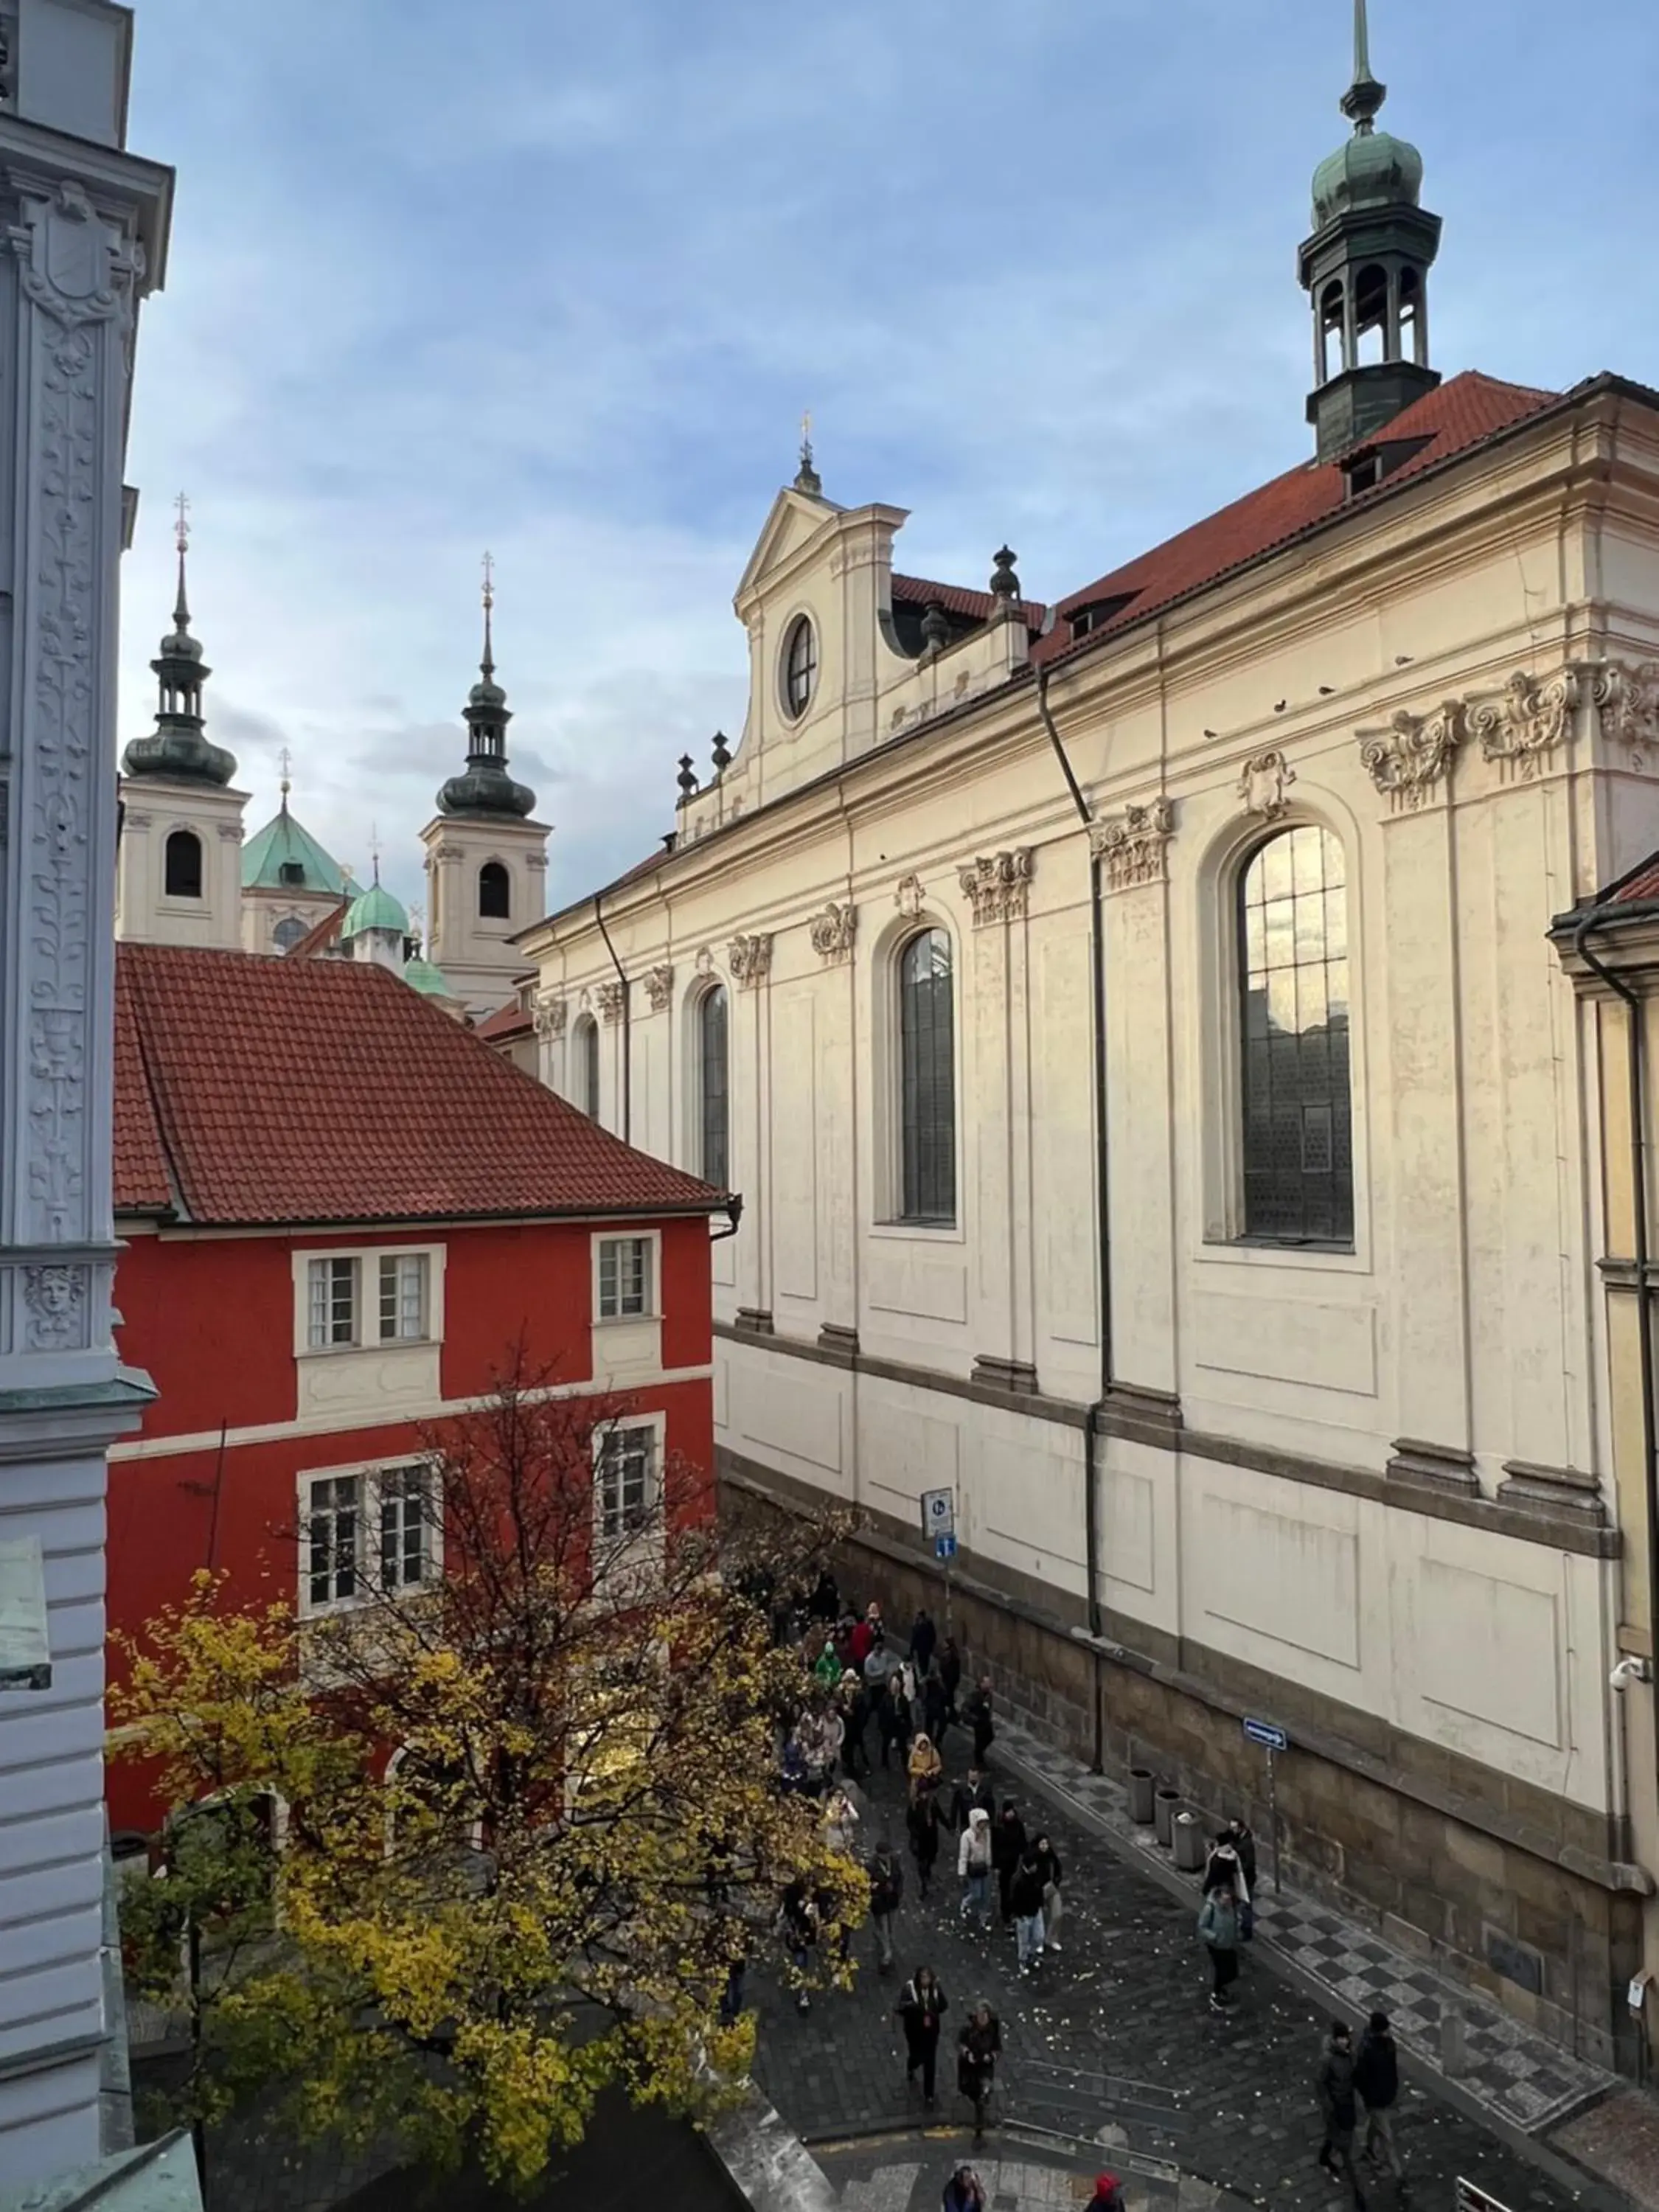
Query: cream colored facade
[[153, 810], [1368, 1489], [475, 949]]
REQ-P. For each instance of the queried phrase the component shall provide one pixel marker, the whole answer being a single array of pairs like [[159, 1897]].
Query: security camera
[[1628, 1671]]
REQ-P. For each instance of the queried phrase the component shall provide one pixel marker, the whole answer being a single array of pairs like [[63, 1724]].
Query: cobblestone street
[[1114, 2034]]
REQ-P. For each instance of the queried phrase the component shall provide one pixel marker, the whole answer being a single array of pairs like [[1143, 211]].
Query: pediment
[[795, 519]]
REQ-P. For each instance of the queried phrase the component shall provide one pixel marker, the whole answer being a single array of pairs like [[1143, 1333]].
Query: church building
[[1164, 1123]]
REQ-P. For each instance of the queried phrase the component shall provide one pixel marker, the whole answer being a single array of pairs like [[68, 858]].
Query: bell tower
[[1366, 269]]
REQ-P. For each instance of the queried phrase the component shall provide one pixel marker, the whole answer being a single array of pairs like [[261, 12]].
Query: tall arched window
[[1293, 985], [184, 864], [713, 1090], [584, 1045], [927, 1081], [495, 892]]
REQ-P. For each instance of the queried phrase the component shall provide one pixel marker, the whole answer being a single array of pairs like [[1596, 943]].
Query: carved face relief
[[1263, 783], [909, 898]]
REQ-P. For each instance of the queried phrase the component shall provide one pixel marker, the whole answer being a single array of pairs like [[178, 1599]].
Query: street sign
[[1267, 1735], [945, 1548], [938, 1514], [1471, 2199]]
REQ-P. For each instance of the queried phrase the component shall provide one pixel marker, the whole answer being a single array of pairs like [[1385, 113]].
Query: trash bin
[[1164, 1812], [1142, 1783], [1189, 1843]]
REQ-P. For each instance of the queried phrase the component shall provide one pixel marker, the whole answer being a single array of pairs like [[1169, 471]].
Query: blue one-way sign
[[1268, 1733]]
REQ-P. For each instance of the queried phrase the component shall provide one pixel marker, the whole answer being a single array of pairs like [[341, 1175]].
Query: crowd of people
[[860, 1682]]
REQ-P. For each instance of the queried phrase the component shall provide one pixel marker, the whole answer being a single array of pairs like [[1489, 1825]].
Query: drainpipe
[[1093, 1428], [628, 1024], [1597, 919]]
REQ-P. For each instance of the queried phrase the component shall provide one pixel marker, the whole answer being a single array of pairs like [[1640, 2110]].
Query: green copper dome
[[284, 845], [1373, 170], [431, 982], [374, 908]]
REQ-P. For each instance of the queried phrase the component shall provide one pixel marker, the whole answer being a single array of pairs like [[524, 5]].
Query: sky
[[559, 279]]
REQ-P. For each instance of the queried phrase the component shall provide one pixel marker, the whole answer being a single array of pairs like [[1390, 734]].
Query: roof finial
[[1364, 96], [374, 848], [285, 762], [488, 664], [181, 539], [806, 477]]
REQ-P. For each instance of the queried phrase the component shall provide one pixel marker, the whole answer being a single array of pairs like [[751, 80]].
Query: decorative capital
[[996, 885], [611, 998], [1627, 700], [658, 986], [552, 1017], [1526, 720], [909, 898], [1263, 783], [1408, 759], [750, 958], [832, 931], [1132, 844]]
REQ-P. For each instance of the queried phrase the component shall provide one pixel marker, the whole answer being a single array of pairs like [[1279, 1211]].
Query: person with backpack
[[1376, 2077], [978, 2049], [1008, 1843], [1025, 1901], [886, 1872], [1217, 1928], [1338, 2107], [921, 2008], [922, 1819], [973, 1865]]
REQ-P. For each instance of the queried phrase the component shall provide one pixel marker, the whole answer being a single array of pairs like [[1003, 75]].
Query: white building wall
[[152, 809]]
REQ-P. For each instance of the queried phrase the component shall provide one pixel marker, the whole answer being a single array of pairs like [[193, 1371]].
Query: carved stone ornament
[[750, 959], [1408, 759], [704, 963], [909, 898], [447, 849], [658, 986], [1526, 720], [832, 931], [1627, 700], [1131, 844], [1263, 783], [134, 819], [611, 998], [552, 1017], [230, 832], [56, 1298], [996, 885]]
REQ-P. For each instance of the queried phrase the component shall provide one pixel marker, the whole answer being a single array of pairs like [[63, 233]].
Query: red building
[[341, 1212]]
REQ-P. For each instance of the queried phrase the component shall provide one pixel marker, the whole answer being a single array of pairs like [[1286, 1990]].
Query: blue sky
[[559, 279]]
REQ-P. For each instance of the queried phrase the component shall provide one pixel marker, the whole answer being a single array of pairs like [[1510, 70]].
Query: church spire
[[485, 787], [1362, 101], [807, 478], [179, 751]]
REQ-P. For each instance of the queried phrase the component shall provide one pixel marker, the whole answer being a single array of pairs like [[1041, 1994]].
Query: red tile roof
[[969, 607], [321, 934], [254, 1090], [1452, 419], [506, 1023], [1639, 888]]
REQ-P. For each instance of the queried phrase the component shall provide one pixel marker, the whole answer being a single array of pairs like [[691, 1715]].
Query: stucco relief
[[832, 931], [750, 959], [1526, 720], [704, 963], [56, 1300], [1408, 759], [1263, 783], [1627, 700], [658, 986], [995, 886], [611, 998], [910, 899], [552, 1017], [1132, 844]]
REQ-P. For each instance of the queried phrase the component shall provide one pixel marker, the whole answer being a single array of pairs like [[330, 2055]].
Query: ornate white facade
[[87, 225]]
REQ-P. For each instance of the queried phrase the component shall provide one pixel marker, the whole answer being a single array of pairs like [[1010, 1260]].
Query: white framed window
[[366, 1533], [626, 1272], [626, 1479], [331, 1537], [369, 1299], [403, 1498], [404, 1277], [334, 1303]]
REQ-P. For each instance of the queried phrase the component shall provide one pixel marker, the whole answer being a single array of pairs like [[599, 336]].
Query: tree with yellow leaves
[[527, 1818]]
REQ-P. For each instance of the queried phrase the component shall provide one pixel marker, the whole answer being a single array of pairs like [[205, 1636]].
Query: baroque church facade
[[1162, 1120], [187, 873]]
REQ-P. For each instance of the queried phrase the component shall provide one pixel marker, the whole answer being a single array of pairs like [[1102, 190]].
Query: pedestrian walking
[[893, 1718], [1053, 1900], [978, 2049], [1217, 1928], [1338, 2107], [964, 2192], [1239, 1834], [853, 1703], [935, 1707], [797, 1925], [977, 1714], [862, 1641], [1109, 2195], [825, 1604], [924, 1766], [1376, 2077], [841, 1823], [922, 1821], [977, 1790], [1025, 1899], [923, 1637], [886, 1871], [973, 1865], [1007, 1842], [827, 1666], [949, 1673], [921, 2008]]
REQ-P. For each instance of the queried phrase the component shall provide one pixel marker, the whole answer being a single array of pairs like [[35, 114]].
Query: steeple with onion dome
[[179, 751], [484, 788], [1366, 268]]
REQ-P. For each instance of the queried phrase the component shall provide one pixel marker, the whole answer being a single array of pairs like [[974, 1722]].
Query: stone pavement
[[1110, 2047], [888, 2177]]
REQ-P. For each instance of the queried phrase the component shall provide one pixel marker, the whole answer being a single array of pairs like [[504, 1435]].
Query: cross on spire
[[374, 848], [181, 528], [488, 664], [181, 539], [806, 477], [285, 762]]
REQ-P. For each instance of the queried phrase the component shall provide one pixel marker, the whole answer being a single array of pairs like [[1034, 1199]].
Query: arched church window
[[184, 864], [1331, 362], [288, 932], [1297, 1137], [928, 1080], [495, 892], [585, 1047], [713, 1090], [1414, 344], [800, 666], [1370, 313]]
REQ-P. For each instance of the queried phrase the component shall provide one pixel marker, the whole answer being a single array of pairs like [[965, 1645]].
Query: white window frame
[[651, 1310], [370, 1478], [887, 1097], [366, 1337], [653, 1425], [406, 1268]]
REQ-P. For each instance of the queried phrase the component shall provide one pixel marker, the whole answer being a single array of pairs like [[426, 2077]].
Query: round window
[[800, 666]]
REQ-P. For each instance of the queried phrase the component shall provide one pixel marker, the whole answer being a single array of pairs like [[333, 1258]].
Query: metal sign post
[[1273, 1740], [938, 1528], [1471, 2199]]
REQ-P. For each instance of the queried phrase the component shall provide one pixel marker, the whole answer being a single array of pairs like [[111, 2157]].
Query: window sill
[[1264, 1252], [922, 1232], [626, 1321], [379, 1344]]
